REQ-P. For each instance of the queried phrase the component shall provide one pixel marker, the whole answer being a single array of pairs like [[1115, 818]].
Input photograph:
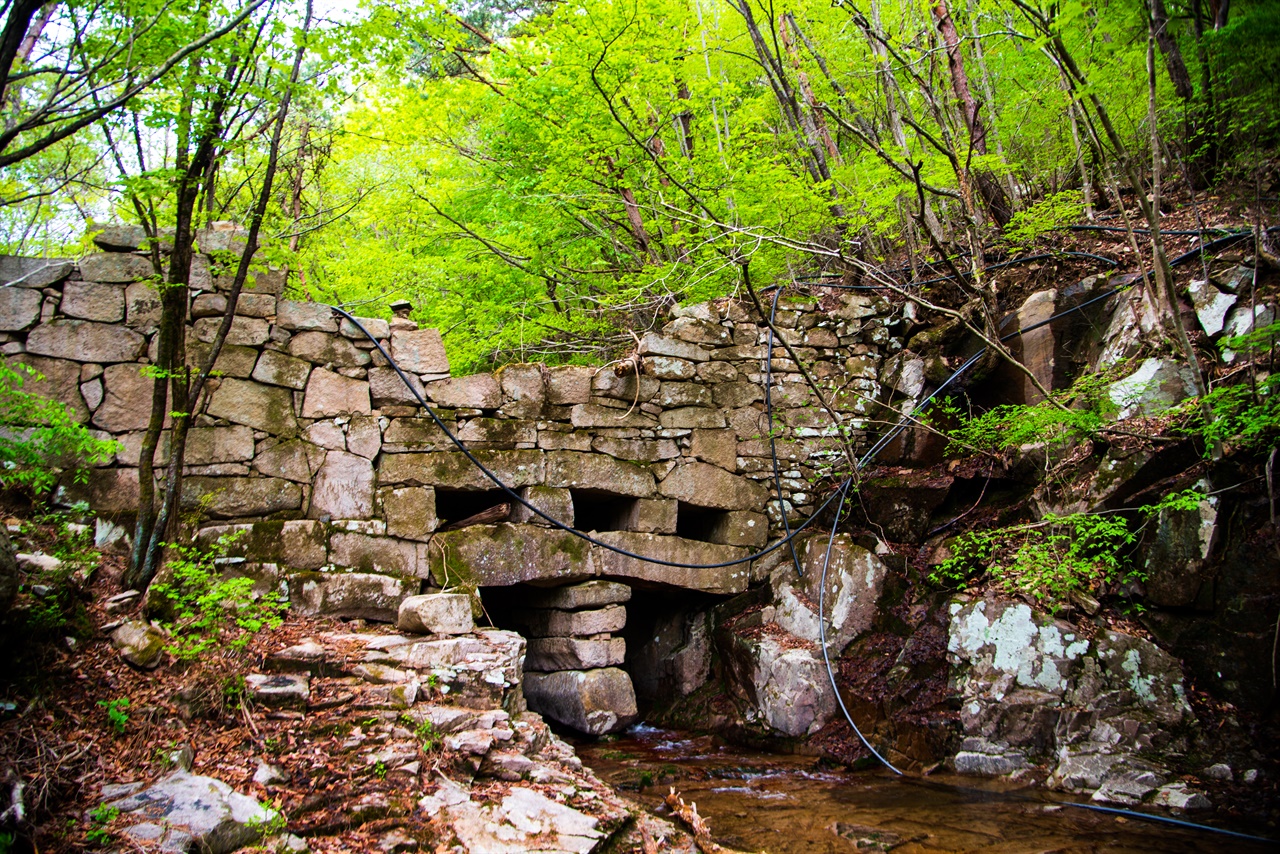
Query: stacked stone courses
[[311, 441]]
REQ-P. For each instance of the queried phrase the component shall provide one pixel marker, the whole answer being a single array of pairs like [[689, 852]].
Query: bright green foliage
[[39, 440], [1047, 561], [212, 612], [117, 717], [428, 736], [1051, 212], [1246, 414], [101, 816], [60, 610]]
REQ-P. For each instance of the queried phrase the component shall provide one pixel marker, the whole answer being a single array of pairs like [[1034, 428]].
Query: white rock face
[[1211, 305], [523, 821], [190, 812], [1157, 385]]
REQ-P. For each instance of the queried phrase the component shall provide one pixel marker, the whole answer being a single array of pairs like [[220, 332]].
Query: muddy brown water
[[793, 805]]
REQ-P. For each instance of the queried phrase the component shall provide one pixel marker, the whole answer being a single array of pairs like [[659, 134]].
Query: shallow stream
[[792, 804]]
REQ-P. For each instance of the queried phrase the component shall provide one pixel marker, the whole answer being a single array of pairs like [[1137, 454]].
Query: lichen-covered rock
[[329, 394], [240, 497], [302, 316], [279, 690], [1211, 305], [322, 348], [453, 470], [410, 511], [126, 402], [476, 391], [595, 471], [419, 352], [114, 267], [551, 654], [1155, 386], [139, 643], [85, 341], [276, 368], [262, 407], [595, 702], [551, 622], [19, 308], [343, 487], [188, 812], [58, 379], [351, 595], [704, 485], [787, 683]]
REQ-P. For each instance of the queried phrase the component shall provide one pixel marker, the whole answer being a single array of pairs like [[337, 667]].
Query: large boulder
[[595, 702], [786, 682], [1154, 387]]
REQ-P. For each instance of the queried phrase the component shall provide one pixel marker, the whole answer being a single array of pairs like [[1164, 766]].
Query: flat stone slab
[[550, 654], [279, 690], [523, 821], [187, 811], [575, 597], [595, 702], [544, 623]]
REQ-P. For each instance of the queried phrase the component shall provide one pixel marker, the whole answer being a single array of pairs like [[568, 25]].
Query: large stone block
[[651, 516], [188, 812], [405, 435], [585, 415], [556, 503], [86, 341], [554, 623], [436, 614], [209, 445], [322, 348], [370, 553], [718, 447], [478, 391], [245, 331], [297, 544], [419, 351], [292, 459], [637, 450], [351, 595], [329, 394], [739, 528], [142, 305], [654, 344], [704, 485], [343, 488], [275, 368], [126, 401], [386, 388], [19, 308], [375, 326], [575, 597], [114, 267], [33, 273], [710, 579], [93, 301], [364, 436], [551, 654], [596, 472], [506, 554], [568, 385], [523, 390], [59, 380], [266, 408], [627, 387], [690, 417], [672, 395], [498, 433], [787, 684], [235, 497], [410, 511], [697, 331], [233, 360], [670, 368], [452, 470], [303, 316], [109, 491], [595, 702]]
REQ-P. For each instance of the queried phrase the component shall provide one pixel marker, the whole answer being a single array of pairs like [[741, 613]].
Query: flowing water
[[791, 804]]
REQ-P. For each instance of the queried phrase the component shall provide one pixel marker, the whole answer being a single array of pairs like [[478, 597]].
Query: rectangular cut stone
[[19, 308], [85, 341], [234, 497], [329, 394], [375, 554], [33, 273], [506, 554], [654, 344], [142, 305], [266, 408], [93, 301], [684, 394], [569, 384], [452, 470], [596, 702], [551, 654], [437, 614], [477, 391], [497, 433], [386, 387], [410, 511], [351, 595], [255, 305], [246, 331], [651, 516], [639, 450], [704, 485], [298, 544], [718, 447], [720, 580], [114, 267], [302, 316], [419, 351], [208, 445], [595, 415], [692, 417], [556, 503], [545, 623], [375, 326], [597, 472], [60, 380], [740, 528], [415, 434], [551, 440], [276, 368], [233, 360], [576, 597]]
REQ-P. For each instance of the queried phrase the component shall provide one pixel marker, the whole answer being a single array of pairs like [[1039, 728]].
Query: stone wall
[[311, 439]]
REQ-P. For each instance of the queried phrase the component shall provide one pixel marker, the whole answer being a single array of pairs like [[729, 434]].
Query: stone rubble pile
[[572, 664]]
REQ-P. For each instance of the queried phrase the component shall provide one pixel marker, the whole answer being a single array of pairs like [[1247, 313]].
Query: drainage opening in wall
[[701, 523], [594, 510], [456, 505], [668, 645]]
